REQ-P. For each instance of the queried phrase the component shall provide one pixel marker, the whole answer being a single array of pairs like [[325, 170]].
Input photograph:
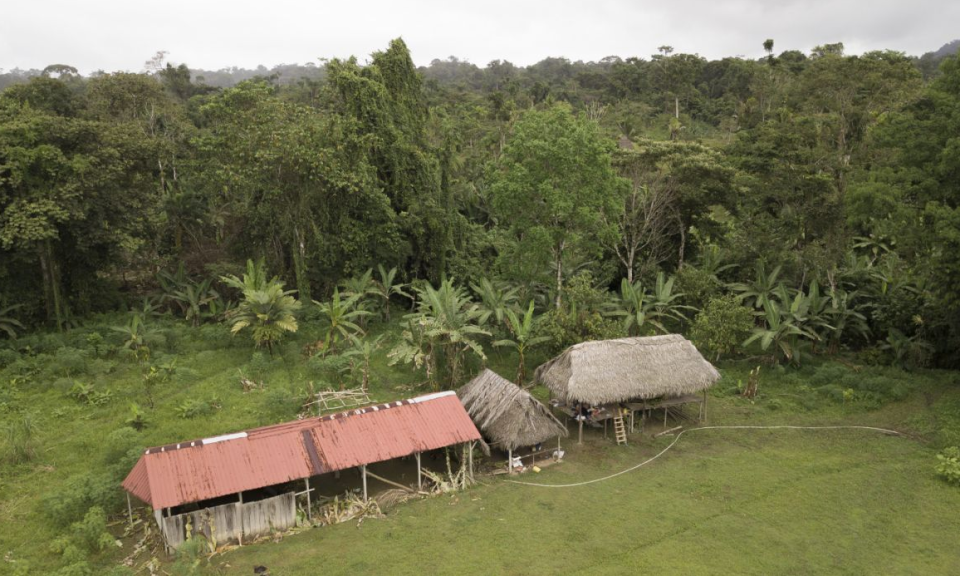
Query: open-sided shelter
[[213, 469], [507, 414]]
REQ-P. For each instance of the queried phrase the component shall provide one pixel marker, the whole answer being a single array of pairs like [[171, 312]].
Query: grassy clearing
[[720, 502]]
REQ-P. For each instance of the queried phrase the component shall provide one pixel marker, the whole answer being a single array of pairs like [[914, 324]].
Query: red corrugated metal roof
[[193, 471]]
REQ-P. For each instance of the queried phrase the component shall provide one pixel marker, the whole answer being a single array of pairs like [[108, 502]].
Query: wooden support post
[[605, 428], [580, 441], [666, 412], [703, 408], [129, 510], [558, 447], [419, 481], [470, 460], [309, 510], [363, 472], [240, 514], [510, 461]]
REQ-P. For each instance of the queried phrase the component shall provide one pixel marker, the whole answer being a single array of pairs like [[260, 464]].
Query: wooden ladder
[[620, 429]]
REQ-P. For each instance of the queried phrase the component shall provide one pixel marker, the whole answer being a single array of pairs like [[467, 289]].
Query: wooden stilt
[[580, 441], [558, 447], [309, 509], [363, 472], [605, 428], [129, 510], [510, 461], [419, 481]]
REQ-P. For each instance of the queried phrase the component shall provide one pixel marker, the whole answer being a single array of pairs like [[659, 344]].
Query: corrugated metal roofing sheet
[[193, 471]]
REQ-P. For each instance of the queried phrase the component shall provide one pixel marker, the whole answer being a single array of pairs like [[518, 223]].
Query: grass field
[[720, 502]]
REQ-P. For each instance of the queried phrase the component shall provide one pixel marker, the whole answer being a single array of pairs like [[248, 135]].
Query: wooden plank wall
[[221, 524]]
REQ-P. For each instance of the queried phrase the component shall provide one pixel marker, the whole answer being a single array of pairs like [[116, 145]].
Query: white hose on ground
[[675, 440]]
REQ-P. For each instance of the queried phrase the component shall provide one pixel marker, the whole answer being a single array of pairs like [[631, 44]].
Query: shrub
[[8, 357], [119, 443], [948, 467], [722, 325], [193, 408], [80, 493]]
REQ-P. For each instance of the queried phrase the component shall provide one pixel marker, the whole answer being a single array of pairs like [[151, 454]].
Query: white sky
[[212, 34]]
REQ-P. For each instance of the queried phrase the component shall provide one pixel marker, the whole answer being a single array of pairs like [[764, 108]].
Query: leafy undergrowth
[[76, 410]]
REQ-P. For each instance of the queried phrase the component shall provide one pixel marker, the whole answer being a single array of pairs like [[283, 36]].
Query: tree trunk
[[559, 261], [53, 300], [299, 250], [676, 101]]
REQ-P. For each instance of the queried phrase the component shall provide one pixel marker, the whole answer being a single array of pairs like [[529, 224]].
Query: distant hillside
[[948, 49], [929, 63]]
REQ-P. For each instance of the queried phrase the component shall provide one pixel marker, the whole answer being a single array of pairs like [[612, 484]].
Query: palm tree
[[385, 287], [523, 338], [341, 315], [9, 323], [269, 311], [363, 349]]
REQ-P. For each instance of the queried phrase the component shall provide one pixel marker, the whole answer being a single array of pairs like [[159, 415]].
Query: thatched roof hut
[[506, 413], [611, 371]]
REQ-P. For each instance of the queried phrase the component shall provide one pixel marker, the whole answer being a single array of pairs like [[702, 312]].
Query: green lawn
[[720, 502]]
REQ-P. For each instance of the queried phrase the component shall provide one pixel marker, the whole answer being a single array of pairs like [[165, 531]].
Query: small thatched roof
[[506, 413], [610, 371]]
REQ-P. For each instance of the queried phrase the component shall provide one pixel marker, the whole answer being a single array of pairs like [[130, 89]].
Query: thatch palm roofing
[[611, 371], [507, 414]]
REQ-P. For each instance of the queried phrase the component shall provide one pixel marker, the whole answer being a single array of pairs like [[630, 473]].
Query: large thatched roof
[[506, 413], [609, 371]]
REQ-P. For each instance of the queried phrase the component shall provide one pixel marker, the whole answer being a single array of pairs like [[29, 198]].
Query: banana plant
[[342, 315], [495, 300], [761, 290], [781, 332], [522, 329]]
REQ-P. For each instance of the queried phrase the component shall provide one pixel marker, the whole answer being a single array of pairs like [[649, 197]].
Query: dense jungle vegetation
[[372, 221]]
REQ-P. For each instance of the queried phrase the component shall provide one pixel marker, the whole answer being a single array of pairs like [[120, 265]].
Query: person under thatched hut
[[625, 370], [507, 414]]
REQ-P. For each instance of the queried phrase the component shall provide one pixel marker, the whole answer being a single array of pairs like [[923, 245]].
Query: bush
[[948, 467], [80, 493], [192, 408], [8, 357], [721, 326]]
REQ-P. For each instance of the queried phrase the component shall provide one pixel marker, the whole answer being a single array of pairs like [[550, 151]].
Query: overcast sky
[[212, 34]]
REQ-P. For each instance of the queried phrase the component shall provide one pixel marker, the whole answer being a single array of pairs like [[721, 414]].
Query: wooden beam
[[391, 482], [309, 510], [129, 510], [510, 461]]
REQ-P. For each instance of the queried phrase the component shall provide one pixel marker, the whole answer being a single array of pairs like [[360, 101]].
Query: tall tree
[[555, 188]]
